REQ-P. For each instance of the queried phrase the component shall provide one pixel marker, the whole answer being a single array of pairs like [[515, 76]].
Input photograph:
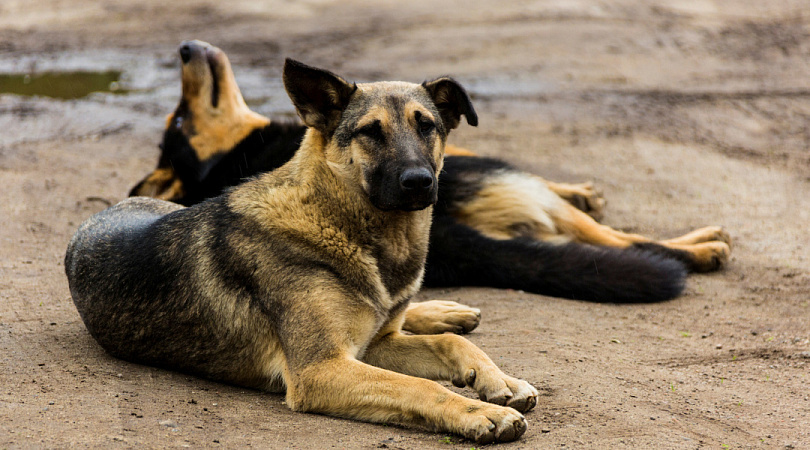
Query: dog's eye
[[178, 122], [423, 124], [371, 131], [426, 126]]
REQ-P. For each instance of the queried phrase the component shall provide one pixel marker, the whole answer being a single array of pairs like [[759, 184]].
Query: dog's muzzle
[[416, 181], [412, 189]]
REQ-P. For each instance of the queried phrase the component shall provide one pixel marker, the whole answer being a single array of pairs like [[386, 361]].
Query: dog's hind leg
[[705, 234], [452, 150], [702, 257], [697, 249], [583, 228], [440, 316]]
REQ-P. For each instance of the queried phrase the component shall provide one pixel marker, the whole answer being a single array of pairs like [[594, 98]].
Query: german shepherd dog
[[299, 279], [493, 224]]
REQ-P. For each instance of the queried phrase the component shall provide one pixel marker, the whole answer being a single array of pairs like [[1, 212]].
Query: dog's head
[[210, 120], [389, 135]]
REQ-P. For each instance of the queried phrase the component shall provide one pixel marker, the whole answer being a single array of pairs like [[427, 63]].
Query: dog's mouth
[[202, 63], [403, 205], [413, 206]]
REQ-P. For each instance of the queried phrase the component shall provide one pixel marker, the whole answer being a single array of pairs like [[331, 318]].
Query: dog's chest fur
[[376, 256]]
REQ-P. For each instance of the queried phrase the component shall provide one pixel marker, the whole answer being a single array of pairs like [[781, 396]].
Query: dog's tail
[[461, 256]]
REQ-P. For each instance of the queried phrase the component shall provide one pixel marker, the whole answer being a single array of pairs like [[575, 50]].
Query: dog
[[212, 116], [494, 225], [298, 280]]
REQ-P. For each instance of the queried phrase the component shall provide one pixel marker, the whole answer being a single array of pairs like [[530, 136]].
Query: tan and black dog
[[298, 280], [494, 225], [213, 116]]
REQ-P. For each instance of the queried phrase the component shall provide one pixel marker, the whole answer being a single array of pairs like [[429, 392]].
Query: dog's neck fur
[[315, 195]]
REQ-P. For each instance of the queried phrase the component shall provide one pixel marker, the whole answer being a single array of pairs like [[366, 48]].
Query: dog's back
[[146, 278]]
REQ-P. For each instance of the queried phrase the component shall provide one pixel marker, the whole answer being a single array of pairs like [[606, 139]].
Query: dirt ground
[[686, 113]]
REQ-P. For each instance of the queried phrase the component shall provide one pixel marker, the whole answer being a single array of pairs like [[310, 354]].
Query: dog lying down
[[298, 280], [493, 225]]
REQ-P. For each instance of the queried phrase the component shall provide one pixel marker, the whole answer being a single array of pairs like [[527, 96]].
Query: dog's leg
[[345, 387], [452, 150], [583, 196], [440, 316], [583, 228], [699, 255], [706, 234], [450, 357], [162, 183], [702, 257]]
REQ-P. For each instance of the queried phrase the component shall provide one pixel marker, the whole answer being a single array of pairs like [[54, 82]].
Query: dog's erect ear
[[452, 101], [319, 96]]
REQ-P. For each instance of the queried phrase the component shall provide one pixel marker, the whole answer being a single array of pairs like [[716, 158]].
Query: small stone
[[546, 430], [718, 346], [168, 423]]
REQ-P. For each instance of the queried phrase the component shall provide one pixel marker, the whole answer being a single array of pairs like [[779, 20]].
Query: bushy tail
[[461, 256]]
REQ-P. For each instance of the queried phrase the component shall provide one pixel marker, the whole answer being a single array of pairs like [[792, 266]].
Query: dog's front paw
[[491, 423], [501, 389], [440, 316], [516, 394]]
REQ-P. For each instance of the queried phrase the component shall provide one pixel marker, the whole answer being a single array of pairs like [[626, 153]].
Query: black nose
[[416, 179], [185, 53]]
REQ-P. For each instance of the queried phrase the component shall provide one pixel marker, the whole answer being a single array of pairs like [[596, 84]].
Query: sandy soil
[[688, 113]]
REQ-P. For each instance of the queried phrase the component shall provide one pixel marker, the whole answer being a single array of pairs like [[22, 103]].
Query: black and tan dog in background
[[299, 279], [493, 224]]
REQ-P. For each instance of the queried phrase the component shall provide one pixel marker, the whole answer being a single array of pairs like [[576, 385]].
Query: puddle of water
[[62, 85]]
